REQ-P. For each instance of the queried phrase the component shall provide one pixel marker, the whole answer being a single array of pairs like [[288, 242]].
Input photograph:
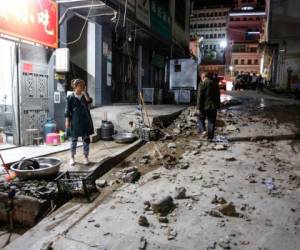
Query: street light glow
[[223, 44]]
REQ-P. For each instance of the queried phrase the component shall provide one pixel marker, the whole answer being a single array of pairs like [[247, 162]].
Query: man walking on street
[[208, 102]]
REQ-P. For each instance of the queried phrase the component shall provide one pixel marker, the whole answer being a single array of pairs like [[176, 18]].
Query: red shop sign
[[32, 20]]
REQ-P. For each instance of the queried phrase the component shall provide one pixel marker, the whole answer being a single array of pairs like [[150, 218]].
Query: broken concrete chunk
[[144, 161], [172, 145], [215, 213], [169, 161], [130, 177], [185, 165], [101, 183], [163, 219], [227, 209], [231, 128], [143, 221], [176, 131], [218, 200], [48, 245], [180, 193], [147, 206], [229, 158], [220, 147], [129, 169], [155, 176], [147, 156], [143, 243], [163, 206], [171, 234]]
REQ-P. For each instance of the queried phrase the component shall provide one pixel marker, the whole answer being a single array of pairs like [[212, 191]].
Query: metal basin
[[49, 167], [125, 137]]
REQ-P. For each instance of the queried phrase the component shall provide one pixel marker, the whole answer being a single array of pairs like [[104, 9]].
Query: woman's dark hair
[[76, 82]]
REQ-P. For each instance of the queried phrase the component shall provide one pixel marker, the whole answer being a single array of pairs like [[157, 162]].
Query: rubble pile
[[129, 174], [39, 189], [185, 123]]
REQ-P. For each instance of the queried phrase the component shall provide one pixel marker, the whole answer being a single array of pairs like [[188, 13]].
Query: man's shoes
[[86, 160], [72, 161]]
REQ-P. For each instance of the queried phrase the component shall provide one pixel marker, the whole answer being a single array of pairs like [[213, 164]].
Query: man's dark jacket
[[208, 95]]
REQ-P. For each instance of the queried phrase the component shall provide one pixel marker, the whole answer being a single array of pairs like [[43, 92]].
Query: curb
[[265, 137]]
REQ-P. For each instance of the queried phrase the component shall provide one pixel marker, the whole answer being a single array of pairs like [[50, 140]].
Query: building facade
[[283, 43], [119, 47], [134, 39], [208, 32], [245, 31], [27, 75]]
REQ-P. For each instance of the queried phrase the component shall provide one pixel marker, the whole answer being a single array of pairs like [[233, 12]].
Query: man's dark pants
[[211, 116]]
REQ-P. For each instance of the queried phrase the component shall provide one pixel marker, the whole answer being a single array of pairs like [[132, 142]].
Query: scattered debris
[[155, 176], [227, 209], [163, 219], [163, 206], [129, 174], [143, 243], [215, 213], [261, 169], [172, 145], [144, 161], [231, 128], [220, 147], [218, 200], [147, 156], [225, 244], [180, 193], [48, 245], [171, 234], [169, 161], [101, 183], [221, 223], [143, 221], [176, 131], [251, 178], [147, 206], [185, 165], [230, 158]]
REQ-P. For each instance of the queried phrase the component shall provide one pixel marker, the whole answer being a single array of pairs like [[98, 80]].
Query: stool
[[38, 141], [30, 135]]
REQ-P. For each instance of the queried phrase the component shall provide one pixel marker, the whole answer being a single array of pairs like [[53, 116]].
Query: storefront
[[28, 35]]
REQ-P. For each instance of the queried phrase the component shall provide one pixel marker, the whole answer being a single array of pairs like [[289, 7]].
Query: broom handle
[[143, 104], [4, 165]]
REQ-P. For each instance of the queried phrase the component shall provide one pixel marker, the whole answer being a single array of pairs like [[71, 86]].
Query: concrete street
[[239, 195]]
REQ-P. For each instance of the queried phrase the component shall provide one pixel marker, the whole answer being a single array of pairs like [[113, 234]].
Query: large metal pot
[[125, 137], [48, 167]]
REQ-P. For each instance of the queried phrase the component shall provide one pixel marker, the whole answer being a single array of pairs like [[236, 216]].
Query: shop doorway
[[8, 95]]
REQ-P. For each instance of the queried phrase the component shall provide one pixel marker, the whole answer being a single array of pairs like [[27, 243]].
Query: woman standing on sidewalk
[[78, 119]]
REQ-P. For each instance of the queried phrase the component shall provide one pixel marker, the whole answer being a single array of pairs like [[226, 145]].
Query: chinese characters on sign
[[33, 20]]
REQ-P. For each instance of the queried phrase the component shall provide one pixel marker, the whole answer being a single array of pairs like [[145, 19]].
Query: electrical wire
[[81, 32]]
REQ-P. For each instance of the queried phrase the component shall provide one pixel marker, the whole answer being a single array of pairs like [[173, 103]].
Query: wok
[[125, 137]]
